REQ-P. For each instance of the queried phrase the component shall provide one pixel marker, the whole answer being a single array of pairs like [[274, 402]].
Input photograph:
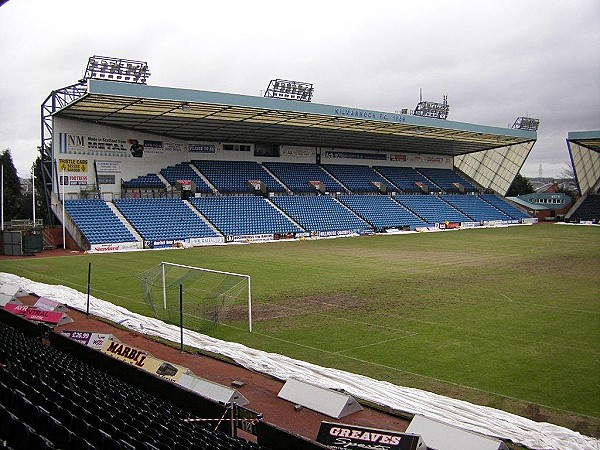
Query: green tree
[[520, 186], [41, 205], [26, 211], [13, 198]]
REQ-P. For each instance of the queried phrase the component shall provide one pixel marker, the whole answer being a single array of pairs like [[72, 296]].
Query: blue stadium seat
[[232, 176], [157, 219], [381, 211], [244, 215], [131, 412], [358, 179], [476, 208], [431, 208], [589, 209], [406, 178], [149, 181], [184, 171], [97, 222], [297, 177], [505, 207], [320, 213], [445, 179]]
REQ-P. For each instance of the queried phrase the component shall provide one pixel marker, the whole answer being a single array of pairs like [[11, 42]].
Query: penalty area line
[[376, 343]]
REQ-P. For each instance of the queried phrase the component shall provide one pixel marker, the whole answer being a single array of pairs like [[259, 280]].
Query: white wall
[[79, 145]]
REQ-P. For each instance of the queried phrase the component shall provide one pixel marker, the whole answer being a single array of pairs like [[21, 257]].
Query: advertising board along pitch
[[343, 436]]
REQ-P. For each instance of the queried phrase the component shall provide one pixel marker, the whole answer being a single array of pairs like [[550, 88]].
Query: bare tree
[[568, 172]]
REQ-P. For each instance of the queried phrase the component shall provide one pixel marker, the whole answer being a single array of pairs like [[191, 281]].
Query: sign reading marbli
[[132, 355]]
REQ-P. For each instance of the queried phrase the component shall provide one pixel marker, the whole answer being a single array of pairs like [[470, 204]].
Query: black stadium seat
[[47, 401], [7, 420]]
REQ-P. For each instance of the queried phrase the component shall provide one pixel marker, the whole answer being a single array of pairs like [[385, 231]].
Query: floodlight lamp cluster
[[526, 123], [290, 90], [117, 69], [433, 109]]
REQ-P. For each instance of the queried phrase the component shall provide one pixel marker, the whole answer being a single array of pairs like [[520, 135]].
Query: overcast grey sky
[[496, 60]]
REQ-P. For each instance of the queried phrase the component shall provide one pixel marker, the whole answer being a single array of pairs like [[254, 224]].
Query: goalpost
[[208, 295]]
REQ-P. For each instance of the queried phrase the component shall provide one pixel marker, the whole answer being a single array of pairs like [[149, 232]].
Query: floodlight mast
[[433, 109], [117, 69], [526, 123], [99, 67], [290, 90]]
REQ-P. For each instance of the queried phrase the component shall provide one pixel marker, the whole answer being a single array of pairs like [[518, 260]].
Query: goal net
[[205, 296]]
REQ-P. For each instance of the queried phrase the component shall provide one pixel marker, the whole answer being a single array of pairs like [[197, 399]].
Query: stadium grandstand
[[584, 150], [141, 166], [130, 166]]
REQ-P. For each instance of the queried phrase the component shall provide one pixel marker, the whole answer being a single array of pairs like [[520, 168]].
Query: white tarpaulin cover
[[480, 419]]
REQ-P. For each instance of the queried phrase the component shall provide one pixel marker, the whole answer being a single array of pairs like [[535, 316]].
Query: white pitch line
[[376, 343], [516, 302], [495, 338], [420, 375], [443, 325]]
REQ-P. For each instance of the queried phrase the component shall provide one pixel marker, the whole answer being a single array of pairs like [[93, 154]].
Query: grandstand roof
[[584, 150], [589, 139], [529, 205], [211, 116]]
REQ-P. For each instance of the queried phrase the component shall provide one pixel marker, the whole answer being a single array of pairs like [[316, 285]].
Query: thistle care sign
[[343, 436]]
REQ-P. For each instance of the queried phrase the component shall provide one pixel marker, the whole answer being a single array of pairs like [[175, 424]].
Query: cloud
[[495, 60]]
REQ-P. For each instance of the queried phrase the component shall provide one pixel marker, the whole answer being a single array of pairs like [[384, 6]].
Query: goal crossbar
[[165, 263]]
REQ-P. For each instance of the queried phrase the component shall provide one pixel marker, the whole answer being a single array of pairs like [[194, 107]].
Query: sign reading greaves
[[343, 436]]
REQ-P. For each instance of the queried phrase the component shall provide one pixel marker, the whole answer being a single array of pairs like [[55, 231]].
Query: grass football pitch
[[508, 318]]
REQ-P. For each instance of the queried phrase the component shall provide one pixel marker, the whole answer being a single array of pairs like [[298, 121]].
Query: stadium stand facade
[[584, 150], [203, 168]]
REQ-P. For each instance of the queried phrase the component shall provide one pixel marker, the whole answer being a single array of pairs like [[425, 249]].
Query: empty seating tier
[[297, 177], [238, 216], [184, 171], [381, 211], [232, 176], [589, 209], [503, 206], [158, 219], [445, 179], [406, 178], [358, 179], [475, 207], [97, 222], [320, 213], [149, 181], [431, 208]]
